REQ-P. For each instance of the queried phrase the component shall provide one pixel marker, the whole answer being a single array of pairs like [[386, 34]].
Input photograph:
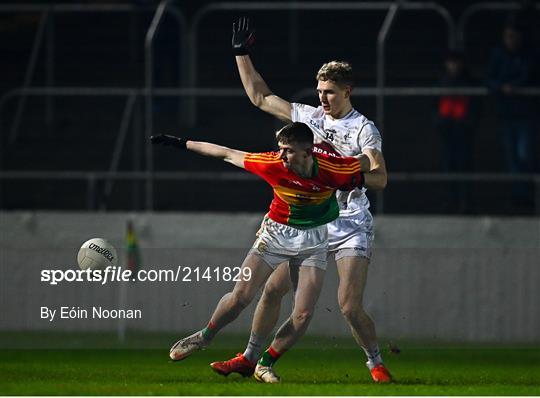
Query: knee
[[302, 318], [273, 293], [351, 308]]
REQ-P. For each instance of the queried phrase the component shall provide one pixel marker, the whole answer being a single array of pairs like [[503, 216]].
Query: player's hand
[[168, 140], [243, 36]]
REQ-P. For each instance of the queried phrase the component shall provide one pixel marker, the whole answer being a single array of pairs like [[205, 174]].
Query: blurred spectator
[[456, 116], [512, 66], [456, 120]]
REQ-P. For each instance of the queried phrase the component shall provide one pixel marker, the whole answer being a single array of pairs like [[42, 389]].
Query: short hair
[[295, 133], [337, 71]]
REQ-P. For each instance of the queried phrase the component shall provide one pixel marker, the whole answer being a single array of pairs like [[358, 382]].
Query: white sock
[[254, 348], [374, 357]]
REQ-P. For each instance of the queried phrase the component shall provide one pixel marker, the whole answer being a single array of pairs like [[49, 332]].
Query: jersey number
[[329, 136]]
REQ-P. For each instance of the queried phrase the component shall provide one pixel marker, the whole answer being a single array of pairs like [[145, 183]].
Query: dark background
[[107, 50]]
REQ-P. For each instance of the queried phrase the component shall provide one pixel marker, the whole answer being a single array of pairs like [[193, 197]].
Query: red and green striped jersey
[[305, 202]]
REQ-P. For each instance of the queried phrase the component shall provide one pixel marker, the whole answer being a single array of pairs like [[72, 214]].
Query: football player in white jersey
[[338, 128]]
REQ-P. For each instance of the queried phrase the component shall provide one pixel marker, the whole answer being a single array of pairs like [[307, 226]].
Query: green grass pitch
[[318, 367]]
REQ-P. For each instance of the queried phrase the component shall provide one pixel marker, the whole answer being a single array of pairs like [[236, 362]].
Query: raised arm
[[232, 156], [256, 88]]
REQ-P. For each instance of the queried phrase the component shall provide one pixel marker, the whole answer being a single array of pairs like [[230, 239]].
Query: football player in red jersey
[[337, 128], [304, 184]]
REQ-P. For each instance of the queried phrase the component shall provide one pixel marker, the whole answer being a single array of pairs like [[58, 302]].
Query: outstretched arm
[[256, 88], [232, 156]]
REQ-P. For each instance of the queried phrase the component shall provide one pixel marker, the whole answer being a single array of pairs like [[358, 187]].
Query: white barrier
[[444, 278]]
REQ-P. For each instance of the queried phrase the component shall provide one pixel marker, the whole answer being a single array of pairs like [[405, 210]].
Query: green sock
[[209, 332], [269, 357]]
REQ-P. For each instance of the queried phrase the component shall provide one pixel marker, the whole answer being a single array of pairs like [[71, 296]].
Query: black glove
[[169, 140], [243, 37]]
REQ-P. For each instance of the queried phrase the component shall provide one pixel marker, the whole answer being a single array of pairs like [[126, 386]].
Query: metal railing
[[132, 94], [46, 23], [149, 84], [29, 73], [418, 92], [381, 61], [120, 140], [390, 7], [92, 177], [188, 40]]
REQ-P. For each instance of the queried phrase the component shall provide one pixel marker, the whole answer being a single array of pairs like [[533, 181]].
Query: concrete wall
[[444, 278]]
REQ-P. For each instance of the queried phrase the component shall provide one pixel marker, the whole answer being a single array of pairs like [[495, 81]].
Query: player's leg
[[353, 271], [228, 308], [310, 281], [267, 311], [350, 240], [265, 318], [233, 303]]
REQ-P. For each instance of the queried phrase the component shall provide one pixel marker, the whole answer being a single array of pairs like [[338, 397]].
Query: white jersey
[[347, 136]]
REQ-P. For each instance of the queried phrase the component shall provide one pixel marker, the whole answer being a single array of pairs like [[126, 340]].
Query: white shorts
[[351, 236], [277, 243]]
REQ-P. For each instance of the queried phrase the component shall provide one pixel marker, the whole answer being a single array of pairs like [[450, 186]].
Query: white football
[[97, 253]]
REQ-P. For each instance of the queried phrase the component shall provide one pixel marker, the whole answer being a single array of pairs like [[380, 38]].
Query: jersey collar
[[348, 115]]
